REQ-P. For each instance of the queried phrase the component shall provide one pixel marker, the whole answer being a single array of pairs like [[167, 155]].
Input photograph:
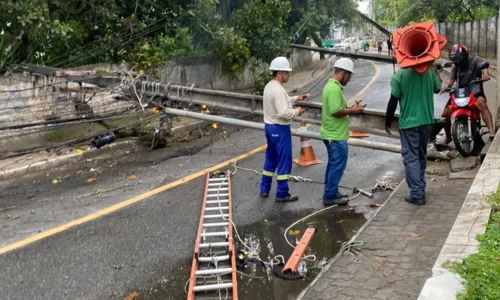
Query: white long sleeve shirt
[[278, 106]]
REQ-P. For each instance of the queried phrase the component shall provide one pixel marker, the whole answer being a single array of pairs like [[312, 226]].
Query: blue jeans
[[337, 161], [278, 158], [414, 151]]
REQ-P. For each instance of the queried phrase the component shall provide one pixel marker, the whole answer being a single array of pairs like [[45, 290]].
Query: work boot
[[410, 199], [342, 199], [288, 198], [264, 195]]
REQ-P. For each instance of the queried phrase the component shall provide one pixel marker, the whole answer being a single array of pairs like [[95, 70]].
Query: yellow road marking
[[125, 203], [377, 71]]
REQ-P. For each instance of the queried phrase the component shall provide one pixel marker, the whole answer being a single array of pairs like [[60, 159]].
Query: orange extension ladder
[[213, 272]]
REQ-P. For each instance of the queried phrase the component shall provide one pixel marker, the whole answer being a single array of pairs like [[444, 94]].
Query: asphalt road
[[146, 247]]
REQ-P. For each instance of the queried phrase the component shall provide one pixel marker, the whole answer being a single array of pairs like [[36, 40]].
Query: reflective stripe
[[283, 177], [305, 144], [266, 173]]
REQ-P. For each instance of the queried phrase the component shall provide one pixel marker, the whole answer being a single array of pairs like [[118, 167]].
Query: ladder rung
[[218, 244], [213, 258], [216, 190], [217, 201], [220, 195], [213, 287], [221, 233], [222, 224], [218, 184], [216, 216], [214, 271], [217, 179], [217, 208]]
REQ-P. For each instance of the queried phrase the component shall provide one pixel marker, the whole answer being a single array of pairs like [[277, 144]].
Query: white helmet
[[344, 64], [280, 64]]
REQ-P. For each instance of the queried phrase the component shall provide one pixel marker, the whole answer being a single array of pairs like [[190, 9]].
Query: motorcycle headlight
[[462, 102]]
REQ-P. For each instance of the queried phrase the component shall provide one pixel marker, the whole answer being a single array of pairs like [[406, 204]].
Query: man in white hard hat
[[278, 116], [335, 130]]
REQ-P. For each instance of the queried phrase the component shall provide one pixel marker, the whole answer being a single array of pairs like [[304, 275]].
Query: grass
[[481, 271]]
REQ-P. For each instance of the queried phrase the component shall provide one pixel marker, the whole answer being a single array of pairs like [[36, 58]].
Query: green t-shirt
[[334, 128], [415, 92]]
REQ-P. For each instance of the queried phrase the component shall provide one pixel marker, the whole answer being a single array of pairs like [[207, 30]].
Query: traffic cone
[[307, 157], [357, 134]]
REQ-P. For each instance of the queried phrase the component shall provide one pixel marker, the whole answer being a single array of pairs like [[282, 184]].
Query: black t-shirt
[[469, 72]]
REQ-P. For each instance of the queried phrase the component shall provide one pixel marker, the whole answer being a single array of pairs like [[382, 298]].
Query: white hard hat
[[344, 64], [280, 64]]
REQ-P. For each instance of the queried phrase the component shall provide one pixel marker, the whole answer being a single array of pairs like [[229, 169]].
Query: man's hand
[[388, 130], [300, 110], [443, 89], [304, 97], [357, 109]]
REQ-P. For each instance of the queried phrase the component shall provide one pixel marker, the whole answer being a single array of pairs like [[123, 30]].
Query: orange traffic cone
[[357, 134], [307, 157]]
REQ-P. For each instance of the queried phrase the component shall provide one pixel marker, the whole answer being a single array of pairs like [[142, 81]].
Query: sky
[[362, 6]]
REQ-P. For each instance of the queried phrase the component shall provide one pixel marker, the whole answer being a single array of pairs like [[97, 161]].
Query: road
[[144, 243]]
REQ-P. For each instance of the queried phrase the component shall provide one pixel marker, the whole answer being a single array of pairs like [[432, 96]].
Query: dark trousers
[[278, 158], [414, 151], [337, 161]]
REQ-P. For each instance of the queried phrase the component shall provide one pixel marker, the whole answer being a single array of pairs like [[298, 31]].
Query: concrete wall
[[205, 73], [479, 36]]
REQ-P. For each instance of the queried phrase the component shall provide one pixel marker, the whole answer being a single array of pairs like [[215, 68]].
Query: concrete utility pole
[[496, 107]]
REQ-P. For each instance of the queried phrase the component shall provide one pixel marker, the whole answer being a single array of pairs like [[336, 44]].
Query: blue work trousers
[[414, 151], [278, 158], [337, 161]]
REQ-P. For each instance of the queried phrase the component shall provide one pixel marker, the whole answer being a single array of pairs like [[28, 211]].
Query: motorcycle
[[466, 127]]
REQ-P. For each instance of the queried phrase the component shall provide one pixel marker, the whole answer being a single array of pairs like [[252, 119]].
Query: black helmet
[[458, 54]]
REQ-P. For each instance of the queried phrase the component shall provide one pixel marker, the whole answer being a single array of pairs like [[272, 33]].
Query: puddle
[[333, 228]]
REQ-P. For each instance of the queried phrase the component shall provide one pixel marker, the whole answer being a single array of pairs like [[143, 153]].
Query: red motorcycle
[[466, 128]]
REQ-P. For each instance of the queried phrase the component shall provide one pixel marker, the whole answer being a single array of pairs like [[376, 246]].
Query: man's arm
[[335, 107], [355, 109], [393, 101], [284, 111], [451, 81], [436, 81], [391, 110]]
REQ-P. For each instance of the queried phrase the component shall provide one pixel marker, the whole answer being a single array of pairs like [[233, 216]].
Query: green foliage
[[404, 12], [152, 52], [232, 49], [261, 75], [264, 26], [481, 271]]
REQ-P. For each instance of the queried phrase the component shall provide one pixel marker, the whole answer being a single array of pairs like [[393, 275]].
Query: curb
[[313, 79], [470, 222], [76, 157], [358, 233], [62, 160]]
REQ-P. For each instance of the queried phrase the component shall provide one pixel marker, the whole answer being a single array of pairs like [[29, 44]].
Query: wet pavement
[[146, 248]]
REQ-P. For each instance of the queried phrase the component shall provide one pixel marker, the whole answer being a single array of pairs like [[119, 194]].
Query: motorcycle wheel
[[466, 145]]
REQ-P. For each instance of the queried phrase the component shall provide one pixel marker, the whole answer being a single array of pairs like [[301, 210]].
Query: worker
[[278, 116], [414, 91], [335, 130]]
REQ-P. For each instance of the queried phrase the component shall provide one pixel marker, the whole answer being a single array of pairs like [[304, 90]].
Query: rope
[[253, 253]]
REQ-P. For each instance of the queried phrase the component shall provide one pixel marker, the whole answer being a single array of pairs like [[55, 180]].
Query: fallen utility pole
[[371, 121], [296, 132]]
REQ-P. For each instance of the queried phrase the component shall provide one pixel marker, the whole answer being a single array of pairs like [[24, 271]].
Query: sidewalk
[[400, 247]]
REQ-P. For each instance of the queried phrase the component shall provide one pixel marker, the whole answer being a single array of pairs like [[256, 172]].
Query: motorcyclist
[[468, 68]]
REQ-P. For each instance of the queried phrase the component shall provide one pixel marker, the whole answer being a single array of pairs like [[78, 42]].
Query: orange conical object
[[307, 157], [418, 46], [358, 134]]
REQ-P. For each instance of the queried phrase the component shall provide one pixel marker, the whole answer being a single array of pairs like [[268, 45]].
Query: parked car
[[350, 43]]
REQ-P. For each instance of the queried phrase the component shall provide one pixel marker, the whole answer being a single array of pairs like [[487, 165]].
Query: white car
[[350, 43]]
